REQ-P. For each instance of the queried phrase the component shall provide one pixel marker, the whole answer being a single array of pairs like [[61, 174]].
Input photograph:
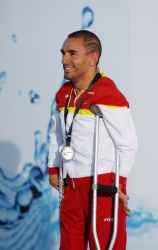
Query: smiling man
[[72, 145], [80, 60]]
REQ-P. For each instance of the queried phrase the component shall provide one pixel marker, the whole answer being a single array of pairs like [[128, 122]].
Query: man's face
[[75, 60]]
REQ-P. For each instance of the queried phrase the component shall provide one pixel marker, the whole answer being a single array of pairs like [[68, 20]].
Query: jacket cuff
[[54, 170]]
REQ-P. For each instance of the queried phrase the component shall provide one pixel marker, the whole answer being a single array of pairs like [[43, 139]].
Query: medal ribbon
[[66, 110]]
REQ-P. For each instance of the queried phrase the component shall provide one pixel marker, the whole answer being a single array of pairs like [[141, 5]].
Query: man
[[72, 145]]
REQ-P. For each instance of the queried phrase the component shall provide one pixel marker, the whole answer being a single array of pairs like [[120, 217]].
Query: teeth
[[67, 67]]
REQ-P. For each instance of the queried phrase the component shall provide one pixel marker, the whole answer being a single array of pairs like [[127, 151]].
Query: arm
[[124, 200], [119, 124], [54, 158], [54, 180], [120, 127]]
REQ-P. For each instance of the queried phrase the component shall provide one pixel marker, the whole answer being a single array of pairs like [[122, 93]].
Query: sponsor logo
[[91, 93], [108, 219]]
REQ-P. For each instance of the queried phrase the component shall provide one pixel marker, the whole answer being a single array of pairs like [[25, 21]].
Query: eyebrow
[[69, 51]]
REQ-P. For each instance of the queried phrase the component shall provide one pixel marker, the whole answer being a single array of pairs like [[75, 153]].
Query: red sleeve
[[54, 170]]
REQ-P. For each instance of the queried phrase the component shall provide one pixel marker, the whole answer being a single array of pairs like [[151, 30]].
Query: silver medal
[[67, 153]]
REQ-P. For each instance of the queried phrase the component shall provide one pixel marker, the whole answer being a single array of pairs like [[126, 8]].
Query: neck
[[83, 83]]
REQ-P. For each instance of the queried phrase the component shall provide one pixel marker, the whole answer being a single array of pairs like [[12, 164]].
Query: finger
[[127, 212]]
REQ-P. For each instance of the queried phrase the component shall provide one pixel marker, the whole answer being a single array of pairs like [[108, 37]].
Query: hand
[[54, 181], [124, 200]]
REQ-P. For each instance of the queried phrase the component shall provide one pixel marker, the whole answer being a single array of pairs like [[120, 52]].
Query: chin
[[67, 76]]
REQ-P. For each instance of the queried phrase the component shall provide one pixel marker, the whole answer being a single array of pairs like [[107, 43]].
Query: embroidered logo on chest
[[91, 93]]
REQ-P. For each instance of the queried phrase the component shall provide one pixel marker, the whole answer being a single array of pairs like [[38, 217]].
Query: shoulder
[[107, 93], [64, 91]]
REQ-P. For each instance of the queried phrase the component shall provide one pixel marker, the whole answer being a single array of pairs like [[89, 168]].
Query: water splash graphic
[[40, 150], [87, 17], [29, 217], [3, 78], [142, 221], [34, 97]]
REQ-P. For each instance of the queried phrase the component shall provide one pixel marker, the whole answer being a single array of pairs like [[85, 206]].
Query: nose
[[65, 58]]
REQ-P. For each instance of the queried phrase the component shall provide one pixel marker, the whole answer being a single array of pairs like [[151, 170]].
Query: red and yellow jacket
[[117, 131]]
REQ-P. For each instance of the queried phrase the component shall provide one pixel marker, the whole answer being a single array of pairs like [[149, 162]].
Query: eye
[[73, 53]]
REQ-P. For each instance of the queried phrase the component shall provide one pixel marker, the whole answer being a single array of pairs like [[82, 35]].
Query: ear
[[93, 59]]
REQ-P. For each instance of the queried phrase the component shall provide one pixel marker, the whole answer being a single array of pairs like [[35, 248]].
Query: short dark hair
[[91, 41]]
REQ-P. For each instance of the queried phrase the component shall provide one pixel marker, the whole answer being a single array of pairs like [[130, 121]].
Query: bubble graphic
[[14, 38], [34, 97], [20, 92], [3, 77], [87, 17]]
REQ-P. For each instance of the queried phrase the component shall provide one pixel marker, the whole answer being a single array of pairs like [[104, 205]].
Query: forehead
[[73, 44]]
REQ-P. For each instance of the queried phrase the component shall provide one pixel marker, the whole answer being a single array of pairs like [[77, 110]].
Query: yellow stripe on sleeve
[[111, 106], [81, 111]]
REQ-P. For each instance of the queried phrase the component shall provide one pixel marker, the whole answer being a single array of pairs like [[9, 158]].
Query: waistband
[[85, 183]]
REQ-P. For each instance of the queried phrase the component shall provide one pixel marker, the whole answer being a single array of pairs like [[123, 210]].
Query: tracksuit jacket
[[116, 131]]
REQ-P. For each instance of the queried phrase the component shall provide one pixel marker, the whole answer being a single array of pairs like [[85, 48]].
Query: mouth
[[67, 69]]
